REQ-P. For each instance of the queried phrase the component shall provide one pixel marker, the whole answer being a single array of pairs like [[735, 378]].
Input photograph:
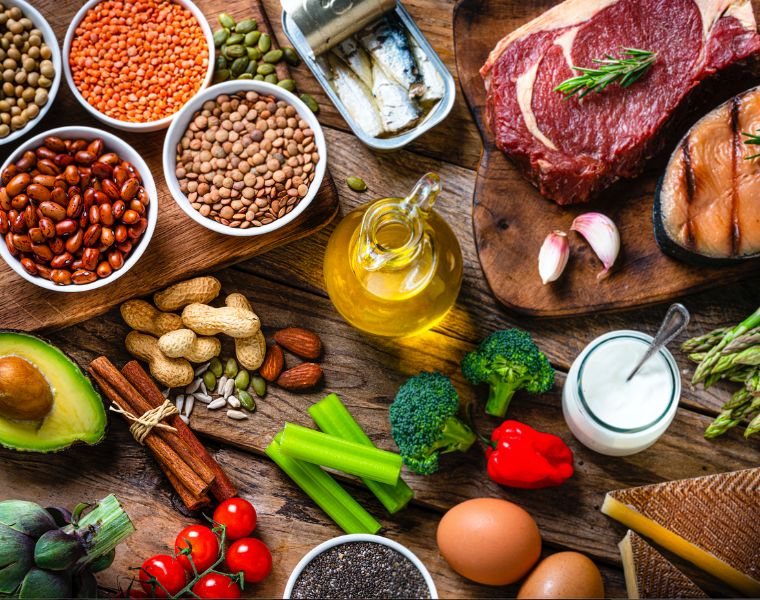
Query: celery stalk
[[333, 452], [332, 416], [347, 513]]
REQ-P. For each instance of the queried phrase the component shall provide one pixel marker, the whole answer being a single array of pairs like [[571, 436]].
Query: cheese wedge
[[711, 521], [648, 574]]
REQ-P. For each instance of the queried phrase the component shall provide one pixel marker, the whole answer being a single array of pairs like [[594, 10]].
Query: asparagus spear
[[749, 339], [703, 343], [713, 355], [732, 414]]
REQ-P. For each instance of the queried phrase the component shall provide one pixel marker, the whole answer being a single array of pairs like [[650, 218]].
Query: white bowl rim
[[183, 120], [359, 537], [148, 182], [129, 125], [39, 22]]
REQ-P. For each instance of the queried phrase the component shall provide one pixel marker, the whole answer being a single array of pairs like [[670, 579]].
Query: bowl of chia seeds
[[360, 566]]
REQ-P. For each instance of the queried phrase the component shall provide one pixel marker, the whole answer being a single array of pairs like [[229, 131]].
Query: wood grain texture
[[511, 219], [180, 247]]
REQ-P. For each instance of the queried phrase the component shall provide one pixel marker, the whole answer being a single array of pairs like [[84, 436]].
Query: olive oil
[[394, 267]]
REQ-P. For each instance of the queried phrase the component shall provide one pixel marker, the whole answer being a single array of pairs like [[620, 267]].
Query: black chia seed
[[360, 570]]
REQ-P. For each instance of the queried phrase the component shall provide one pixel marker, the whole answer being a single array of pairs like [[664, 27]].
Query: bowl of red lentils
[[78, 207], [244, 158], [133, 64]]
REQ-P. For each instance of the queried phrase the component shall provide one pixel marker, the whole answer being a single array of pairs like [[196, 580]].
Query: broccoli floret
[[508, 361], [424, 422]]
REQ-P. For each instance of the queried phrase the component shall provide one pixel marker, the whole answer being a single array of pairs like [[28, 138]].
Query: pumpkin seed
[[221, 36], [265, 69], [235, 51], [273, 56], [231, 368], [287, 84], [242, 379], [310, 102], [253, 53], [246, 401], [271, 78], [246, 26], [265, 42], [221, 75], [215, 366], [291, 56], [221, 62], [252, 38], [235, 38], [259, 385], [226, 20], [239, 65], [356, 183]]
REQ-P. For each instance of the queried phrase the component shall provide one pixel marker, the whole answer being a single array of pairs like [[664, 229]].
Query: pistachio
[[226, 20], [231, 368], [253, 53], [239, 65], [221, 75], [209, 380], [252, 38], [265, 42], [235, 38], [242, 379], [235, 51], [291, 56], [271, 78], [251, 68], [246, 26], [246, 401], [310, 102], [215, 366], [287, 84], [265, 69], [245, 76], [221, 36], [258, 78], [221, 62], [273, 56], [356, 183], [259, 385]]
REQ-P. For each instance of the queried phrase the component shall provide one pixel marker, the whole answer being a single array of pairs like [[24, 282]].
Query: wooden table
[[286, 287]]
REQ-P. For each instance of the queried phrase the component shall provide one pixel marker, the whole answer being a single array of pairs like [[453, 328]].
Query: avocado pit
[[25, 394]]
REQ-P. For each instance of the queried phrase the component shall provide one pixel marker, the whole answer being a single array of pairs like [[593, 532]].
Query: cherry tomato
[[167, 571], [204, 545], [238, 515], [252, 557], [216, 585]]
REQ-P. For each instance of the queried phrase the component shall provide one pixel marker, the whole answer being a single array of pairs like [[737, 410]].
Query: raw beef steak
[[570, 148]]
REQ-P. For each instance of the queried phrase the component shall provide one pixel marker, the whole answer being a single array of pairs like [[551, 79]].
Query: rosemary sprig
[[625, 69], [753, 139]]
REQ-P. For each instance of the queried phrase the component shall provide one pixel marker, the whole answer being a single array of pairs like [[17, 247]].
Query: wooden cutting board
[[179, 248], [511, 219]]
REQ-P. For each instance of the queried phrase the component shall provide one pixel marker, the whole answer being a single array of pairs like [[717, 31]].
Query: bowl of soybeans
[[133, 64], [31, 68]]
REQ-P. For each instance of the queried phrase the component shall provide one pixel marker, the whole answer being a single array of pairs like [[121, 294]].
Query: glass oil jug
[[393, 267]]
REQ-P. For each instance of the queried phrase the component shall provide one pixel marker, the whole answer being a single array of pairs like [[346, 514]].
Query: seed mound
[[246, 160], [27, 70], [360, 570]]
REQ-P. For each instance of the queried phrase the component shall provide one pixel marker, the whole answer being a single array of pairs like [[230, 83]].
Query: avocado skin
[[72, 385]]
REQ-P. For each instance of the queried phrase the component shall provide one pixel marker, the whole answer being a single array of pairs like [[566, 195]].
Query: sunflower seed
[[184, 418], [202, 369], [238, 415], [193, 386], [221, 383], [166, 392], [229, 387], [202, 397], [217, 404], [203, 387], [189, 404], [179, 402], [233, 402]]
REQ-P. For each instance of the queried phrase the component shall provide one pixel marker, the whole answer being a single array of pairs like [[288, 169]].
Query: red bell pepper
[[521, 457]]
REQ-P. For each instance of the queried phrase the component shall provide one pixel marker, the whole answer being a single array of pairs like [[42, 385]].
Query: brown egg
[[489, 540], [564, 575]]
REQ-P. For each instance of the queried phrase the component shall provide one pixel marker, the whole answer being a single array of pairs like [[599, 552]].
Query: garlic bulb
[[552, 258], [602, 235]]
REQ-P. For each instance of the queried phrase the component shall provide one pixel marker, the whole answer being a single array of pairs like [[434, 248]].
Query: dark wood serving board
[[511, 219], [179, 248]]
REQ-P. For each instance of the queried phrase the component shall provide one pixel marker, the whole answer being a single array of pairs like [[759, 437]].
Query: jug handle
[[424, 194]]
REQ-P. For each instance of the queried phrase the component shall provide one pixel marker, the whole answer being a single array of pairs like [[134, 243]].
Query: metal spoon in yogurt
[[675, 321]]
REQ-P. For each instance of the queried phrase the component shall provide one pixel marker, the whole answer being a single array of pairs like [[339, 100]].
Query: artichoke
[[53, 553]]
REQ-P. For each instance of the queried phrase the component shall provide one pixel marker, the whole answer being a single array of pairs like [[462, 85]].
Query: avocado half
[[77, 413]]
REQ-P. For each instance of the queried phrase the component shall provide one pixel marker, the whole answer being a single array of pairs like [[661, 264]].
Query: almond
[[274, 363], [301, 377], [301, 342]]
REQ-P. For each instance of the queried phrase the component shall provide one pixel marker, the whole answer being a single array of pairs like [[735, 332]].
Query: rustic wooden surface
[[180, 247], [511, 218], [286, 288]]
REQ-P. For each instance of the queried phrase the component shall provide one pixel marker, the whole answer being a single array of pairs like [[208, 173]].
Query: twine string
[[142, 426]]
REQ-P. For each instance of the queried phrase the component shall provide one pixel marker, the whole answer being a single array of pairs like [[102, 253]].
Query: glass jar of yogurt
[[613, 416]]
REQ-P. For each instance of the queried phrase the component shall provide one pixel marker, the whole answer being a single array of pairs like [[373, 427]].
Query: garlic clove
[[552, 258], [603, 237]]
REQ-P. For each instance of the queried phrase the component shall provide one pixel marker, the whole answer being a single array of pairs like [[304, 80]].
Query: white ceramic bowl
[[126, 152], [127, 125], [185, 116], [359, 537], [49, 38]]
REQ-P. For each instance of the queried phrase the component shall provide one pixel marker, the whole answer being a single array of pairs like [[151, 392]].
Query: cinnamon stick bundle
[[189, 475], [222, 488]]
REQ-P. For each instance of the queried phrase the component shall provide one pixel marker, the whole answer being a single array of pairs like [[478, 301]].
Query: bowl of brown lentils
[[244, 158], [31, 68]]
